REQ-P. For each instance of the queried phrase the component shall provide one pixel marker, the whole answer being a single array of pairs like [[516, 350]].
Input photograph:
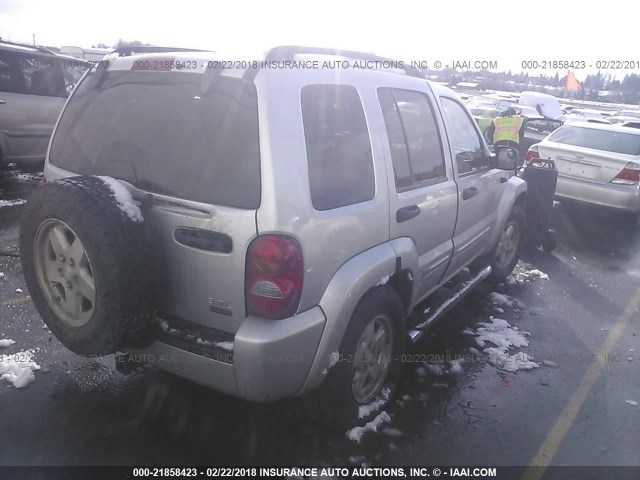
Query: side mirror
[[506, 159]]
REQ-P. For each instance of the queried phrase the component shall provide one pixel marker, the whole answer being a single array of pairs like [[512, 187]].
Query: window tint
[[338, 146], [607, 140], [158, 132], [397, 142], [463, 137], [416, 150], [42, 76], [36, 75], [11, 80]]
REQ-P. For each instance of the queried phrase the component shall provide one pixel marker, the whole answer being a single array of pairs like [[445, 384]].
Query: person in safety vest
[[506, 129]]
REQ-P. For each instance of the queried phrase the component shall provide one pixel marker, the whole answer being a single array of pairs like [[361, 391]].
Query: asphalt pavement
[[580, 406]]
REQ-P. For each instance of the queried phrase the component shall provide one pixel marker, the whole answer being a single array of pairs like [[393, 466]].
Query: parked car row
[[597, 164], [597, 153]]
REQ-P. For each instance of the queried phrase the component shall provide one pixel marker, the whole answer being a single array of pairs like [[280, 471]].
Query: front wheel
[[506, 254], [369, 363]]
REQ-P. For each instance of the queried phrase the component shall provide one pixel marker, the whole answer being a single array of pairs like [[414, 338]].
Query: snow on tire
[[88, 263]]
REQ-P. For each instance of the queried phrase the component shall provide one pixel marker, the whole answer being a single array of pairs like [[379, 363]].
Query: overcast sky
[[456, 30]]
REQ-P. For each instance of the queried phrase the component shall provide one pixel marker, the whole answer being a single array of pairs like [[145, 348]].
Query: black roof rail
[[288, 52], [35, 47], [128, 51]]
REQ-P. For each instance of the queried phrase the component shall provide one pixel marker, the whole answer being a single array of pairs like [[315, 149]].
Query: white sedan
[[597, 164]]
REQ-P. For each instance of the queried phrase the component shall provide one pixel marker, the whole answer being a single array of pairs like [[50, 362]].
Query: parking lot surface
[[577, 403]]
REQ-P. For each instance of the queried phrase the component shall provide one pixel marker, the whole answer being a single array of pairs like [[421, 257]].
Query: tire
[[79, 217], [549, 241], [501, 266], [335, 402]]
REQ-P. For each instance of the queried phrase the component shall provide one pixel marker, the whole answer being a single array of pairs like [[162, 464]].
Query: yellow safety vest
[[507, 128]]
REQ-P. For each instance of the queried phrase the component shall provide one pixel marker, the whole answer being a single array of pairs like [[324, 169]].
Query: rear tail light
[[532, 154], [629, 175], [274, 273]]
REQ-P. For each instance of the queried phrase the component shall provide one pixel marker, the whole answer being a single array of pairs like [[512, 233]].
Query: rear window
[[541, 127], [607, 140], [157, 131], [338, 146]]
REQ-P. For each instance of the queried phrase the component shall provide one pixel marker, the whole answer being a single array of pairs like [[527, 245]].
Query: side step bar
[[440, 310]]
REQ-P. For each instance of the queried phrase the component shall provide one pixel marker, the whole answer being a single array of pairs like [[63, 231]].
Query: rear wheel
[[369, 364]]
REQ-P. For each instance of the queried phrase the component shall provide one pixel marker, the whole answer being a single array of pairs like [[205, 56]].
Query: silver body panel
[[346, 251]]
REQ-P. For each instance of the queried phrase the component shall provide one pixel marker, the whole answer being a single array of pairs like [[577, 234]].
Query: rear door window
[[159, 132], [41, 75], [416, 150], [338, 146], [606, 140]]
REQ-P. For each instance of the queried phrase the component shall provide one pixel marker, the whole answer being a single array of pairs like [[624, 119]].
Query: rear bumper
[[270, 359], [620, 197]]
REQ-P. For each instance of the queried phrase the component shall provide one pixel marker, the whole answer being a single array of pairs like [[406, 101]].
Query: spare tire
[[88, 263]]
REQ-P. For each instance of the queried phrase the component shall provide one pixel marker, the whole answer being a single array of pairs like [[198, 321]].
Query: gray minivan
[[34, 85]]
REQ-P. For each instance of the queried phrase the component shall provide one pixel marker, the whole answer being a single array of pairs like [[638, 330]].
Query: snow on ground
[[504, 301], [505, 337], [18, 368], [500, 299], [510, 363], [356, 433], [633, 403], [456, 366], [501, 334], [6, 342], [365, 411], [124, 199], [440, 369], [522, 274], [12, 203]]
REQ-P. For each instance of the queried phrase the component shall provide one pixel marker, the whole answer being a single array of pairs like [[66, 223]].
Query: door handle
[[470, 192], [407, 213]]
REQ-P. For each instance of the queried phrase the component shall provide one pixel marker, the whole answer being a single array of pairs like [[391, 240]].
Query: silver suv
[[271, 227], [34, 83]]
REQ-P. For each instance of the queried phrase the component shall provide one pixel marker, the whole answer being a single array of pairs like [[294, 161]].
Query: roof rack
[[35, 47], [288, 52], [128, 51]]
